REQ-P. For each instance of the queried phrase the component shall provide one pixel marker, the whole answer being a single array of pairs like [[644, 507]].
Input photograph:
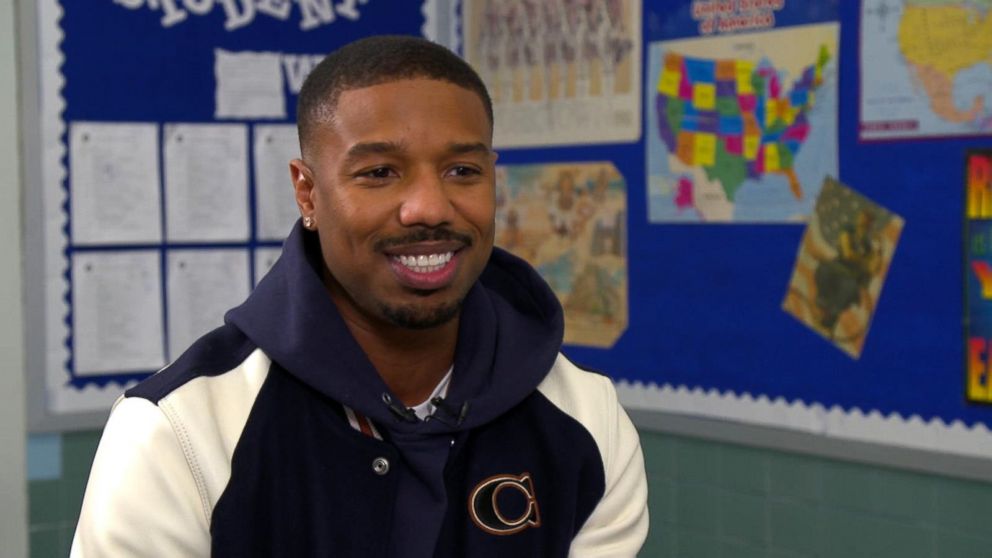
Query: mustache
[[422, 235]]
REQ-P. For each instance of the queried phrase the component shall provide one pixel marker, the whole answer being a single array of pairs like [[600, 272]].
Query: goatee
[[417, 317]]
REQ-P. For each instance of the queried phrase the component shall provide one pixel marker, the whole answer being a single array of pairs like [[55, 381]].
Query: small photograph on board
[[841, 266], [978, 275], [569, 222]]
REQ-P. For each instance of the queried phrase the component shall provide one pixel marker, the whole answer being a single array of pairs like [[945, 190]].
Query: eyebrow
[[360, 150]]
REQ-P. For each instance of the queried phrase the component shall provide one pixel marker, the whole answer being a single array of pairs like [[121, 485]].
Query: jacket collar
[[509, 336]]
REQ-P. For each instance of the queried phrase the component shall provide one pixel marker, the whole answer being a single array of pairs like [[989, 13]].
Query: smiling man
[[394, 385]]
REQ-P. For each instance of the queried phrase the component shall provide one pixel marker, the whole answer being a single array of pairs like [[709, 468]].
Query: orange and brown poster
[[569, 222], [841, 266]]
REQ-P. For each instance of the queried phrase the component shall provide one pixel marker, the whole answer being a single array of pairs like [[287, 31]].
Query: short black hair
[[374, 61]]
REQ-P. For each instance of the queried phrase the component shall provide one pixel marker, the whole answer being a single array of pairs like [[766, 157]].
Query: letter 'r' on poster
[[202, 286], [274, 147], [117, 312], [248, 85], [206, 179], [114, 189]]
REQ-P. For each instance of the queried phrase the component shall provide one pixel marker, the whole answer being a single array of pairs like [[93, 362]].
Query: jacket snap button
[[380, 465]]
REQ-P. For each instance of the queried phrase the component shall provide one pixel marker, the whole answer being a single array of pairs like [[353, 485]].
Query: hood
[[509, 335]]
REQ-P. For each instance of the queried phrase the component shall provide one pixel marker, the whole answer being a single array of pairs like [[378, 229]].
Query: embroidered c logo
[[484, 505]]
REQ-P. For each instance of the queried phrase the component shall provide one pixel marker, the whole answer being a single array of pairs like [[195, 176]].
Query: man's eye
[[379, 172], [463, 170]]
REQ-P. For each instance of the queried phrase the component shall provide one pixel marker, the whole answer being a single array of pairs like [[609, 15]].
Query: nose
[[426, 202]]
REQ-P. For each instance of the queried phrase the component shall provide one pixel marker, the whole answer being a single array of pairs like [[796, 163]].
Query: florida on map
[[741, 128]]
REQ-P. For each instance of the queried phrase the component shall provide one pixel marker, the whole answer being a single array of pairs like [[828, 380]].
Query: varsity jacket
[[275, 436]]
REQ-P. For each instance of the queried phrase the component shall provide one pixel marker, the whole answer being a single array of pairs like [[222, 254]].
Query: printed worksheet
[[114, 187], [265, 258], [206, 182], [274, 147], [117, 312], [202, 286]]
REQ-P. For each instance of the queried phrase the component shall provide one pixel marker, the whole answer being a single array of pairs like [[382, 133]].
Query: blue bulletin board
[[713, 125], [149, 233], [707, 334]]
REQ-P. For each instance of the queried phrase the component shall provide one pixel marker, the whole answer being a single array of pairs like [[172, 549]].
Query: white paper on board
[[249, 85], [206, 182], [274, 146], [202, 286], [117, 312], [114, 183], [265, 258]]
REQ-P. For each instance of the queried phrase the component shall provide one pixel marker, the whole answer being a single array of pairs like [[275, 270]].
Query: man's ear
[[303, 185]]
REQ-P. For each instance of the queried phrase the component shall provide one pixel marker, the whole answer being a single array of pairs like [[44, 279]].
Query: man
[[393, 387]]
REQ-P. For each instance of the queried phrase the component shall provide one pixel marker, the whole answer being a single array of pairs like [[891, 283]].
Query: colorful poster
[[978, 276], [841, 266], [569, 222], [741, 128], [559, 71], [926, 68]]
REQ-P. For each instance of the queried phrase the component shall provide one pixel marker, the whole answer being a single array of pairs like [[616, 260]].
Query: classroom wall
[[13, 518], [707, 499]]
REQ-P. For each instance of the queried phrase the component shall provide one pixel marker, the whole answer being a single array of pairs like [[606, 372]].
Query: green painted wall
[[707, 499], [716, 500], [54, 501]]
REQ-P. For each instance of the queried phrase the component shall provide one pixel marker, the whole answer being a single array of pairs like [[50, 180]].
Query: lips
[[425, 263], [425, 267]]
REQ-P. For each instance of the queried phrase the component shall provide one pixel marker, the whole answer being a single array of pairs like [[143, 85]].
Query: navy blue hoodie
[[514, 463]]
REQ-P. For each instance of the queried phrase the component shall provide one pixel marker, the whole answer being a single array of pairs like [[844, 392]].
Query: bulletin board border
[[815, 420]]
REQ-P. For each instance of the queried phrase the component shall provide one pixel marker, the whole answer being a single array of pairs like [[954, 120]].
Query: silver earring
[[308, 222]]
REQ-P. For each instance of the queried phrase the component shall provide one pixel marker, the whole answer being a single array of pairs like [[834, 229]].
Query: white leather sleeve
[[160, 469], [141, 498], [619, 524]]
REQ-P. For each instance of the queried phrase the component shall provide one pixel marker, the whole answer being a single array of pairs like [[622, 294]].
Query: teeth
[[425, 263]]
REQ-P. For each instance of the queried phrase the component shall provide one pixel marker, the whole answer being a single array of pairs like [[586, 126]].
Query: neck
[[411, 362]]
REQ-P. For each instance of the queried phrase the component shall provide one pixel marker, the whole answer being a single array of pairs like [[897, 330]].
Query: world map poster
[[926, 68], [741, 128]]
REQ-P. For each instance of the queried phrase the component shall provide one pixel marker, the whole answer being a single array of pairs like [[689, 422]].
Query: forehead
[[411, 110], [411, 93]]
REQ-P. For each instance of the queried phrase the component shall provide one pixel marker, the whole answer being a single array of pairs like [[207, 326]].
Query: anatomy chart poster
[[561, 72]]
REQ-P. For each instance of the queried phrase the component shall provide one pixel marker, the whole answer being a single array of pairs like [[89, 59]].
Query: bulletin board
[[166, 131], [751, 210], [725, 313]]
